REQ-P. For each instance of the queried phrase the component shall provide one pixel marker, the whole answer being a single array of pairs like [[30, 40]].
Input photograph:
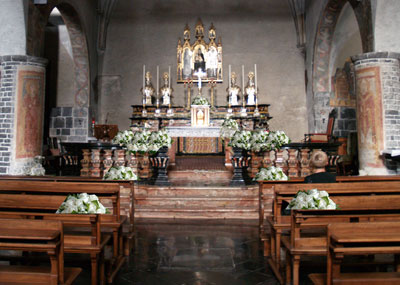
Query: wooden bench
[[35, 236], [53, 193], [360, 239], [279, 223], [308, 231], [126, 200]]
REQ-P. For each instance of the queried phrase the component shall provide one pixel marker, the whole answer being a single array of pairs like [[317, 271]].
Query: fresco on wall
[[343, 94], [370, 117], [29, 113]]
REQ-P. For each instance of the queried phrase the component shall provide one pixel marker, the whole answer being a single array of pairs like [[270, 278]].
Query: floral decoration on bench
[[82, 204], [313, 199]]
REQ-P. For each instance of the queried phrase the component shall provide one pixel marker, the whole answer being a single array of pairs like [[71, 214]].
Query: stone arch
[[324, 36]]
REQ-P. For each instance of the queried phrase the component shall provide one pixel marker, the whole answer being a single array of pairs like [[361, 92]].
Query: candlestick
[[158, 75], [243, 91]]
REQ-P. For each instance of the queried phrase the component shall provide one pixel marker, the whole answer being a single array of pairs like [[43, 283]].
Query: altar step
[[202, 176], [195, 202]]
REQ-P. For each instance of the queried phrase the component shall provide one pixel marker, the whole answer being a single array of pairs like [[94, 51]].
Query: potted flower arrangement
[[200, 101]]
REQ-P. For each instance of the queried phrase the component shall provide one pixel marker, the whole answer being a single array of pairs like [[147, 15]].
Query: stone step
[[200, 175], [198, 201], [196, 213], [182, 191]]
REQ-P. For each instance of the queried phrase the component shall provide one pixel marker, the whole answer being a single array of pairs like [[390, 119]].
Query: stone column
[[22, 91], [378, 119]]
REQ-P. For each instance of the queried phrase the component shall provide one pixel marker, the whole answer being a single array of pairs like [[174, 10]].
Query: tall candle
[[229, 79], [255, 76], [169, 76], [158, 75], [144, 76], [243, 91]]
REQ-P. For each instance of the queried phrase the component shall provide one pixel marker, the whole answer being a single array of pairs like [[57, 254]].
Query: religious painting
[[370, 117], [343, 93], [199, 56], [29, 112]]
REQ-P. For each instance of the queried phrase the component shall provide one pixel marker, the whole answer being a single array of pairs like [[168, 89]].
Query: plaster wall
[[13, 27], [387, 24], [66, 79], [346, 39], [313, 12], [146, 32]]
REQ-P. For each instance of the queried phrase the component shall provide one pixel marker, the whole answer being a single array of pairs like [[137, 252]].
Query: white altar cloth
[[195, 132]]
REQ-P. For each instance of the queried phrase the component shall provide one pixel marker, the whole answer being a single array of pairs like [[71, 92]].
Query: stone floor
[[195, 252]]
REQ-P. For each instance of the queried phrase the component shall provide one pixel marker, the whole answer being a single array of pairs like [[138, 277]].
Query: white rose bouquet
[[312, 199], [228, 128], [278, 138], [139, 142], [120, 173], [241, 139], [82, 204], [200, 101], [260, 141], [271, 173]]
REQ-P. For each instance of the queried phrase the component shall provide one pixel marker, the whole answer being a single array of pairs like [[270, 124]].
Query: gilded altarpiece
[[199, 55]]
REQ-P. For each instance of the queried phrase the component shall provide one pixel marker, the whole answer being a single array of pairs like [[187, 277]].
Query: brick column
[[22, 91], [378, 104]]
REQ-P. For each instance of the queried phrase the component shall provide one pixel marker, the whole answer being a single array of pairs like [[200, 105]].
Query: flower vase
[[159, 162], [240, 163]]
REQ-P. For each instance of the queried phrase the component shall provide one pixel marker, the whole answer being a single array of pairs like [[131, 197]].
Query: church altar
[[198, 132]]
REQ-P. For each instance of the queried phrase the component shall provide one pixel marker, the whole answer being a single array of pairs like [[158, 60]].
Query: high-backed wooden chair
[[323, 137]]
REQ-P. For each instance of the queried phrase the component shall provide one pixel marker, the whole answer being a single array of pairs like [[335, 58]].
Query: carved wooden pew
[[308, 229], [280, 224], [35, 236], [126, 200], [360, 239], [56, 193]]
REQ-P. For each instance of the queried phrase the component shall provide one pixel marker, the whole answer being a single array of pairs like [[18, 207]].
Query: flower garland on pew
[[313, 199], [82, 204]]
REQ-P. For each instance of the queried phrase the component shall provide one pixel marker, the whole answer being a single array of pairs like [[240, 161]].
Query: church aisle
[[196, 252]]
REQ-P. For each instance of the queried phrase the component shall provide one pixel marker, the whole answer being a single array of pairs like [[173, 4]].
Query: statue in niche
[[233, 91], [166, 90], [250, 91], [148, 90]]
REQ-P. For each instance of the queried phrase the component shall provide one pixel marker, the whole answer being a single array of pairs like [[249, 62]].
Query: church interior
[[199, 142]]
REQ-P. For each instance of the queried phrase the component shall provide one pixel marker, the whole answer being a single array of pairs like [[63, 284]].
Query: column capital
[[24, 58], [375, 55]]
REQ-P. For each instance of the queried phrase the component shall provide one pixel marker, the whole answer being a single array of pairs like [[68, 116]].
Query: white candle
[[255, 76], [158, 75], [169, 76], [230, 76], [243, 78], [144, 76]]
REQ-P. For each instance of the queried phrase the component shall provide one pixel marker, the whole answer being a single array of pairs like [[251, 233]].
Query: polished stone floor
[[194, 253]]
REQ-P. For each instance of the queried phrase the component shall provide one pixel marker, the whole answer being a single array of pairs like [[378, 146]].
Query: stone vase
[[240, 163], [159, 162]]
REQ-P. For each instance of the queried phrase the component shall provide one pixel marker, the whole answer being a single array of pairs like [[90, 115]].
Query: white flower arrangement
[[36, 168], [82, 204], [312, 200], [120, 173], [123, 137], [268, 140], [200, 101], [271, 173], [228, 128], [159, 139], [279, 138], [241, 139]]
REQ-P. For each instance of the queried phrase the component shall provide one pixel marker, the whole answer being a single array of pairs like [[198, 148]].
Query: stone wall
[[69, 124]]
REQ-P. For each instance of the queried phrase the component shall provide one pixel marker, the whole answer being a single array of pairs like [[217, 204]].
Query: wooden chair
[[323, 137]]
